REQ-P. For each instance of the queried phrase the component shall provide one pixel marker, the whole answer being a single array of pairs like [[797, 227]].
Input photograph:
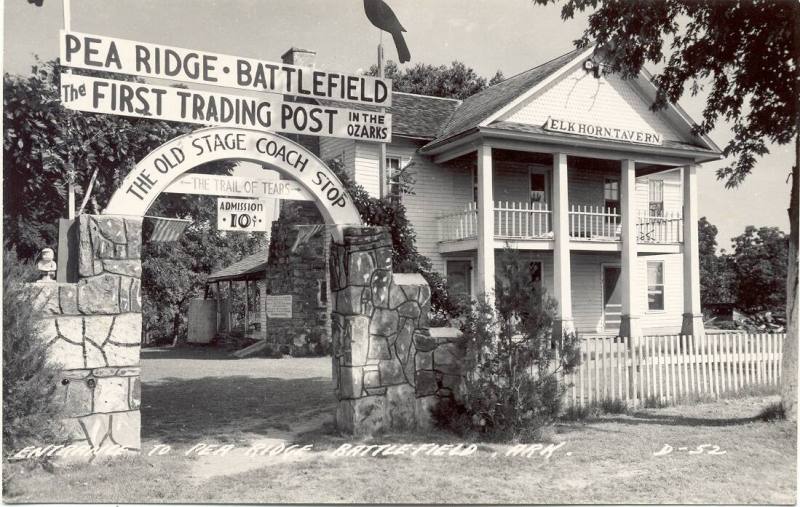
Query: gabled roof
[[251, 267], [483, 104], [417, 116]]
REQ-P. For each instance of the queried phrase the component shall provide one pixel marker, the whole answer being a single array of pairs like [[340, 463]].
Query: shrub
[[512, 364], [773, 412], [31, 413]]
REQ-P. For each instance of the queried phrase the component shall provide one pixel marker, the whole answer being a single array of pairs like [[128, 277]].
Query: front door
[[612, 298]]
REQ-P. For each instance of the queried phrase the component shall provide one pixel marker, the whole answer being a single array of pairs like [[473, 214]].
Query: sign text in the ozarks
[[168, 162]]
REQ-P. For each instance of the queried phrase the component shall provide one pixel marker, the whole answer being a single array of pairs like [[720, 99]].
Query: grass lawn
[[197, 396]]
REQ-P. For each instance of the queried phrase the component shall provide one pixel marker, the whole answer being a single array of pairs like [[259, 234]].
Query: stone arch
[[383, 352]]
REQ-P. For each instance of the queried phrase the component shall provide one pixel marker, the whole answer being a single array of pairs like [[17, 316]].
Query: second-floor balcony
[[526, 222]]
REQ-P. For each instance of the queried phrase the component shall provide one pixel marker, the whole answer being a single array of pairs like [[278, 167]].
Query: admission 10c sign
[[271, 113]]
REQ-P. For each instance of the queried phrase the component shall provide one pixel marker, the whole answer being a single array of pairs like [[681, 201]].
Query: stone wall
[[388, 369], [304, 275], [93, 328]]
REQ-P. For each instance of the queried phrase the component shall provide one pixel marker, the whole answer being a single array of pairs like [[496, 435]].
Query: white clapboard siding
[[668, 369], [577, 98], [344, 149]]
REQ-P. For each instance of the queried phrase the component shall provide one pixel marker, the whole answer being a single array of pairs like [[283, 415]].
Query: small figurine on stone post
[[47, 265]]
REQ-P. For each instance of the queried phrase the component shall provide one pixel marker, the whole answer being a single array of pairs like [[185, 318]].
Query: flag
[[167, 229], [305, 233]]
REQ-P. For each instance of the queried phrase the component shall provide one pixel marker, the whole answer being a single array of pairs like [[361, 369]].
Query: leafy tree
[[759, 258], [174, 273], [30, 409], [717, 275], [746, 53], [391, 213], [45, 144], [456, 82]]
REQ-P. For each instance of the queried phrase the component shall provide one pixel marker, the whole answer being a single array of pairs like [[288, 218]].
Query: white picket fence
[[670, 368]]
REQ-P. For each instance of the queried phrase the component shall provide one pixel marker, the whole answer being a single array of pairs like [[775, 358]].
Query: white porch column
[[562, 279], [485, 280], [632, 293], [692, 314]]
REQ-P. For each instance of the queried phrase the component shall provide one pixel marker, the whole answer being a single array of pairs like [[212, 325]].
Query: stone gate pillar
[[383, 353], [93, 329]]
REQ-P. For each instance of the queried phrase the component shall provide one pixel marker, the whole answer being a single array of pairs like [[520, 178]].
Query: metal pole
[[382, 146], [70, 169]]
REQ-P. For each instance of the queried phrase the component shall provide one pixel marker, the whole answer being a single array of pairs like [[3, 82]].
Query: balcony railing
[[664, 228], [520, 220], [594, 223], [459, 225], [515, 220]]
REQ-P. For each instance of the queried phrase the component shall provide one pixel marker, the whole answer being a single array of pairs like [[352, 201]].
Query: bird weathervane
[[382, 16]]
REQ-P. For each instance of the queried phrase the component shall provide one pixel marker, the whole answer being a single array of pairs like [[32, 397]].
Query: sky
[[487, 35]]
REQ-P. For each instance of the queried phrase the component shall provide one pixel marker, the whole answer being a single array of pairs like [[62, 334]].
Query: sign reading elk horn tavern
[[235, 186], [602, 131], [96, 52], [169, 161], [141, 100]]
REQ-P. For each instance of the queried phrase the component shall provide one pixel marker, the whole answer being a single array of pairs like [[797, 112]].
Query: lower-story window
[[655, 285], [459, 277]]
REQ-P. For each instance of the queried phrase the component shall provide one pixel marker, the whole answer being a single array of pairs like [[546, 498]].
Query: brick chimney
[[299, 57]]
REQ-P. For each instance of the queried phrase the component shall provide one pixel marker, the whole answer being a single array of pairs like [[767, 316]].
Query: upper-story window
[[538, 189], [394, 187], [611, 193], [656, 192]]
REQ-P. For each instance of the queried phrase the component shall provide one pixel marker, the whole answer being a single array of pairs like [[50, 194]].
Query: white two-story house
[[569, 166]]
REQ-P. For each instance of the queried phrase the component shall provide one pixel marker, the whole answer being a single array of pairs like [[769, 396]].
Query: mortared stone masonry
[[93, 329], [388, 368]]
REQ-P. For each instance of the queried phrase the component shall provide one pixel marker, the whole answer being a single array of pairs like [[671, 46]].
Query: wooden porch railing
[[594, 223], [519, 220], [664, 228], [459, 225]]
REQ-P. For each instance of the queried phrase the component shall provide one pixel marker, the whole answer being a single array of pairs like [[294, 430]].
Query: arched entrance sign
[[388, 370], [167, 162]]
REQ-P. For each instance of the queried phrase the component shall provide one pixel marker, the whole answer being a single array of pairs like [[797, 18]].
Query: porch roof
[[538, 129], [252, 267]]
